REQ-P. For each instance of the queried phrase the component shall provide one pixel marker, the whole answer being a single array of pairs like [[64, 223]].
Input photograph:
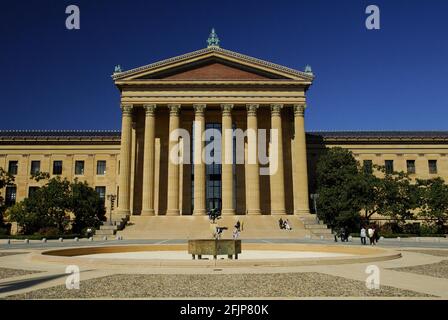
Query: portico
[[222, 90]]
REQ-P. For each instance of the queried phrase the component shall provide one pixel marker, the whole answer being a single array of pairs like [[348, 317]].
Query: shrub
[[390, 228], [5, 231], [48, 232], [411, 228]]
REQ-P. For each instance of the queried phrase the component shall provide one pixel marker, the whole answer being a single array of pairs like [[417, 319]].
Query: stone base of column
[[228, 212], [123, 213], [278, 212], [173, 212], [254, 212], [148, 212], [199, 212], [118, 216], [302, 212]]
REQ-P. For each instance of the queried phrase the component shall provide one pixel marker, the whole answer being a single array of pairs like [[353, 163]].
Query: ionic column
[[173, 167], [252, 169], [199, 206], [125, 160], [148, 161], [300, 164], [227, 160], [277, 179]]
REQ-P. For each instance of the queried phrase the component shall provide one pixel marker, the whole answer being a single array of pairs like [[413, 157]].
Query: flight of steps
[[194, 227], [318, 229], [107, 230]]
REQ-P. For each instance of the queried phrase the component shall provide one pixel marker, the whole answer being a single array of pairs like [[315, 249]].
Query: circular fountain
[[252, 255]]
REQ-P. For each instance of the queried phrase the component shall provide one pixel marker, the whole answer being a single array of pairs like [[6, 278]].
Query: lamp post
[[111, 198], [314, 197]]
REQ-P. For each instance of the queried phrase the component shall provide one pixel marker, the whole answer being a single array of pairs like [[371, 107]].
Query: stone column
[[173, 167], [252, 168], [227, 160], [148, 161], [199, 206], [301, 200], [277, 179], [125, 160]]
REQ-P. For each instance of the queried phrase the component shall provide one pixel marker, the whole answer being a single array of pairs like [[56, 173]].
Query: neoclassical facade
[[209, 89], [224, 90]]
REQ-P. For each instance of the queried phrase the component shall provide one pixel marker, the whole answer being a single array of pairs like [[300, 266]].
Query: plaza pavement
[[404, 278]]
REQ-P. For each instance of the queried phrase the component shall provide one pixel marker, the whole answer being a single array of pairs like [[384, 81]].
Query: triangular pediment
[[213, 64], [212, 69]]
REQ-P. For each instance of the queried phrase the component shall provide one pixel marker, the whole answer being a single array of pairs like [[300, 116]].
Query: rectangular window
[[432, 164], [13, 167], [31, 191], [102, 193], [10, 195], [79, 167], [101, 167], [368, 167], [410, 165], [389, 164], [35, 167], [118, 194], [57, 167]]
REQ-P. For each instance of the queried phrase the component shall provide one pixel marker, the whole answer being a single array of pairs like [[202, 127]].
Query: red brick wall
[[215, 71]]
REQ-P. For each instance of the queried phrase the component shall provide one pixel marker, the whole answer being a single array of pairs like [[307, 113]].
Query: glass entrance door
[[213, 170]]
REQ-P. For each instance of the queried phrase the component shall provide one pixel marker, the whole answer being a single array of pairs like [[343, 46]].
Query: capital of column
[[252, 110], [149, 109], [226, 109], [126, 109], [276, 109], [174, 110], [199, 109], [299, 110]]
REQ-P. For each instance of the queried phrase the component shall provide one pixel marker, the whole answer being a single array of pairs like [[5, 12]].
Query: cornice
[[233, 54]]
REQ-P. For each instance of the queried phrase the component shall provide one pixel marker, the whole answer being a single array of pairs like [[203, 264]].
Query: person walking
[[89, 232], [371, 234], [236, 234], [342, 234], [376, 235], [238, 226], [363, 235]]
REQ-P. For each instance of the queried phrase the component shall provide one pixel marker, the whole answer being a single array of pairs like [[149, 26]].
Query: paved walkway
[[395, 282]]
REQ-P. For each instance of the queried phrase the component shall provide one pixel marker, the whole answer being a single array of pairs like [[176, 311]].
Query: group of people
[[343, 234], [214, 214], [284, 224], [371, 233]]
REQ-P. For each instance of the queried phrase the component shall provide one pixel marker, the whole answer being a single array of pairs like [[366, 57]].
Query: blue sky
[[394, 78]]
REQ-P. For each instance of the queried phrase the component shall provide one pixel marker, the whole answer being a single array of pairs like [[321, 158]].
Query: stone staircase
[[108, 231], [195, 227], [318, 229]]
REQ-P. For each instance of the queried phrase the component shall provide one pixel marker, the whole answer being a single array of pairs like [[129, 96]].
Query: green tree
[[367, 188], [434, 202], [337, 185], [87, 207], [29, 221], [51, 205], [397, 197], [48, 207], [5, 179]]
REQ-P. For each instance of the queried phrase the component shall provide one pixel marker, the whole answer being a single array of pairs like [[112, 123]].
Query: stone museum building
[[216, 89]]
